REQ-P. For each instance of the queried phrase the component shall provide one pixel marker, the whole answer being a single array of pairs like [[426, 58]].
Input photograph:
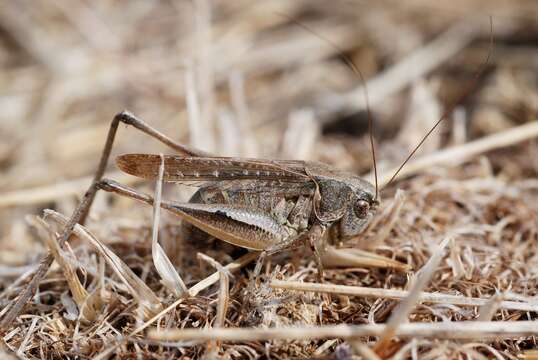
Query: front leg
[[317, 237]]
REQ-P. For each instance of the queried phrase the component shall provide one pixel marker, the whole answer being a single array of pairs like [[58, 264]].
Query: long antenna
[[358, 73], [470, 87]]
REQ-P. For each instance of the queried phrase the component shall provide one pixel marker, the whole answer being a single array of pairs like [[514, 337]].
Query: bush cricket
[[257, 204]]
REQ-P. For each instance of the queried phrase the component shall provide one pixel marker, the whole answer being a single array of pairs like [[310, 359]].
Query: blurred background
[[243, 78]]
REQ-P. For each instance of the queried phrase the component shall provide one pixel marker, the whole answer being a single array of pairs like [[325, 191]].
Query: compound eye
[[361, 208]]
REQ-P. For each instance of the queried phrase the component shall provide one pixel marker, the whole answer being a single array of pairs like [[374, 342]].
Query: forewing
[[269, 187], [179, 168]]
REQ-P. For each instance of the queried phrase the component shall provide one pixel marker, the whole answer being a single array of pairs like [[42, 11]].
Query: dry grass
[[237, 78]]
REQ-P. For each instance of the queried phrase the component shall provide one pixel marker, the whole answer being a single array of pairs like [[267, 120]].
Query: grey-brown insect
[[264, 205]]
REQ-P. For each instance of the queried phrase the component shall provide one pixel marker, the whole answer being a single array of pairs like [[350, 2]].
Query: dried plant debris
[[448, 266]]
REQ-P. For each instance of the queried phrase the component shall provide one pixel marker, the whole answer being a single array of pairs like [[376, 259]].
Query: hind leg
[[82, 210]]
